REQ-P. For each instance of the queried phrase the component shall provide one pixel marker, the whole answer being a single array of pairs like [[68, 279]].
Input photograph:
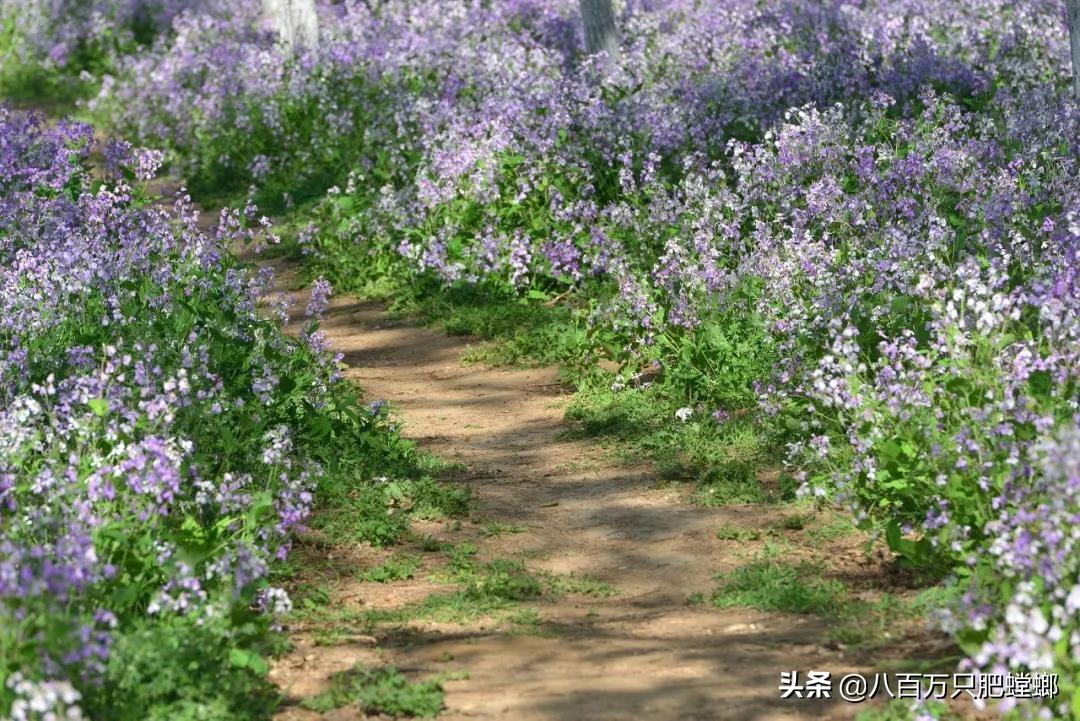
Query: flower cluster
[[64, 33], [153, 458]]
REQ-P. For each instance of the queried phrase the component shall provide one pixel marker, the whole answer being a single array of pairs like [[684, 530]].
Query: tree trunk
[[599, 21], [295, 21], [1073, 8]]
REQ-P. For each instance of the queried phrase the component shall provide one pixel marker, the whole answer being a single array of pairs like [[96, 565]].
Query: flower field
[[852, 226]]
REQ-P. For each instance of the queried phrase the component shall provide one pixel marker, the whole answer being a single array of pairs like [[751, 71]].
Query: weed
[[430, 544], [379, 512], [382, 690], [834, 529], [731, 482], [577, 585], [495, 528], [507, 580], [525, 617], [872, 623], [793, 522], [395, 568], [729, 532], [768, 585]]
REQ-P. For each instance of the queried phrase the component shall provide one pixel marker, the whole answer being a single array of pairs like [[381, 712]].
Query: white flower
[[683, 414], [1072, 603]]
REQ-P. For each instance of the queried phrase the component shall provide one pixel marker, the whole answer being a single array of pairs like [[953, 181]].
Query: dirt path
[[644, 653]]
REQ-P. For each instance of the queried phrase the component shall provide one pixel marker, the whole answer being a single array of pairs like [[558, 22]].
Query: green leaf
[[241, 658], [892, 535], [99, 406]]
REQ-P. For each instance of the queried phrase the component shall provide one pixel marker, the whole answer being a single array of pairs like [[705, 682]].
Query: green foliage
[[641, 419], [358, 507], [729, 532], [506, 580], [486, 589], [577, 585], [383, 691], [396, 568], [768, 585], [718, 363], [495, 528], [731, 482], [793, 522], [178, 668], [836, 528]]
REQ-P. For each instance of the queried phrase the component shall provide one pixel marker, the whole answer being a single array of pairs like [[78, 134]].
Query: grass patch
[[837, 528], [793, 522], [492, 589], [382, 690], [867, 621], [395, 568], [723, 461], [518, 331], [494, 528], [379, 511], [875, 622], [729, 532], [431, 544], [577, 585], [729, 482], [768, 585]]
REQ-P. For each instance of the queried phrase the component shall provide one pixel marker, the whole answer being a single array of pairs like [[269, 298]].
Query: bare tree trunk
[[1073, 9], [599, 21], [295, 21]]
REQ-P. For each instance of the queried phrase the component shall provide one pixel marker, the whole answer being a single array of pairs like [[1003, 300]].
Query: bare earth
[[644, 653]]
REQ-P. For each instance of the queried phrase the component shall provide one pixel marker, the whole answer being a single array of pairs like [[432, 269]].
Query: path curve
[[644, 653]]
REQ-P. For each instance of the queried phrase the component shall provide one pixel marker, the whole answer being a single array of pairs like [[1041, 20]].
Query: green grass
[[769, 585], [721, 461], [379, 511], [793, 522], [491, 589], [573, 585], [495, 528], [867, 621], [838, 527], [728, 532], [395, 568], [430, 544], [729, 482], [380, 691]]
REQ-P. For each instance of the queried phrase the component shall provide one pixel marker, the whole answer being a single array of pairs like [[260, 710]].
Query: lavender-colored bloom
[[320, 299]]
